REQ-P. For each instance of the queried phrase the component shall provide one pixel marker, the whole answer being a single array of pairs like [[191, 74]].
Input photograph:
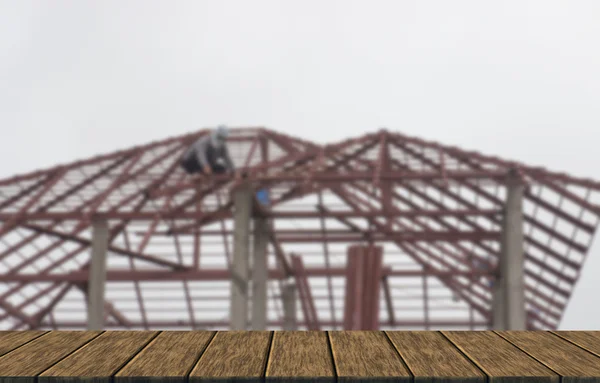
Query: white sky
[[517, 79]]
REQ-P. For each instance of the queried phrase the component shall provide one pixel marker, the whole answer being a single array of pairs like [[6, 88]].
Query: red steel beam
[[136, 284], [216, 275], [569, 195], [85, 182], [350, 299], [400, 237], [225, 213], [468, 234], [32, 298], [391, 212], [18, 314], [51, 180], [183, 139], [123, 177], [305, 295], [186, 288], [394, 176], [531, 170], [23, 193], [385, 284], [300, 190], [359, 290], [560, 213], [294, 235], [281, 257], [39, 316], [114, 249]]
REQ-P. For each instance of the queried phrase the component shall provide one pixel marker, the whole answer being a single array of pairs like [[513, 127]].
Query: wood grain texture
[[304, 356], [98, 360], [362, 355], [233, 354], [568, 360], [432, 358], [9, 340], [499, 359], [590, 340], [168, 358], [26, 362], [299, 356]]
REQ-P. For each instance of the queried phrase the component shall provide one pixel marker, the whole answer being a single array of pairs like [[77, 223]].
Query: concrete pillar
[[288, 294], [509, 287], [242, 202], [260, 274], [97, 275]]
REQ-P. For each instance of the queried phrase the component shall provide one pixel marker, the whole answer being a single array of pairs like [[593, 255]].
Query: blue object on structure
[[263, 197]]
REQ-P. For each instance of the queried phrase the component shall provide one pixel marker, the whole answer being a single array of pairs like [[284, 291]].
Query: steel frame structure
[[435, 210]]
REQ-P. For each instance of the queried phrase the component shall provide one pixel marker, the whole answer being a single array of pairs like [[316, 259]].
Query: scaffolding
[[384, 231]]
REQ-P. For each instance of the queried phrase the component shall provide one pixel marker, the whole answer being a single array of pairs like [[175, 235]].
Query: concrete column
[[97, 275], [260, 274], [288, 294], [509, 287], [242, 202]]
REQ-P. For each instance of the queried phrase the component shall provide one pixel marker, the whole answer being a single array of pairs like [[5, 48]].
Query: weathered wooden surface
[[313, 356]]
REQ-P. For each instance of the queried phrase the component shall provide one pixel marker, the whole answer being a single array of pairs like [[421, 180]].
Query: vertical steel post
[[509, 287], [260, 274], [97, 275], [288, 295], [242, 201]]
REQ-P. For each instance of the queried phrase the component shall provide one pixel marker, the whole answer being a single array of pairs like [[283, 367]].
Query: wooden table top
[[323, 356]]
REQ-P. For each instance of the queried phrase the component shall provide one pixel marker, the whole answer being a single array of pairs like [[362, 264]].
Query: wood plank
[[432, 358], [304, 356], [169, 357], [499, 359], [45, 351], [101, 358], [568, 360], [9, 340], [233, 354], [366, 355], [590, 340]]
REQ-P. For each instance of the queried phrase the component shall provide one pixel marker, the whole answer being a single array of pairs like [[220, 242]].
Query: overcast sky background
[[517, 79]]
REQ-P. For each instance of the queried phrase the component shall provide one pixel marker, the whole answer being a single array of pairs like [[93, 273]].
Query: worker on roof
[[209, 154]]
